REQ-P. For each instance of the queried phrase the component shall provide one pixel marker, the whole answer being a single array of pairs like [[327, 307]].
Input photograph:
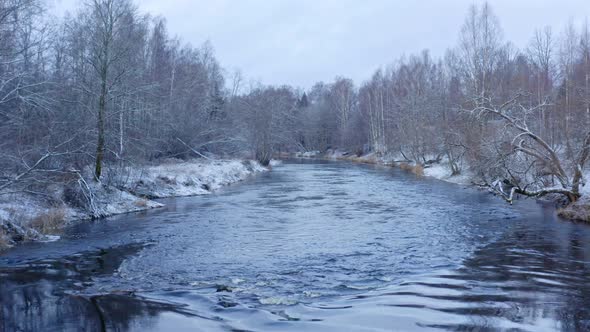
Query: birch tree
[[105, 23], [479, 46]]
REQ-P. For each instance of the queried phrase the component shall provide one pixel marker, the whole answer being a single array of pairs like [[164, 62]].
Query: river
[[316, 246]]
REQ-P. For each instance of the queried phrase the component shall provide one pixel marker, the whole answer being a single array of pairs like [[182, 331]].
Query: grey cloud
[[304, 41]]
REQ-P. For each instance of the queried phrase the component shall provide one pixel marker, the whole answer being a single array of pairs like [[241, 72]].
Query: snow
[[275, 162], [585, 190], [4, 215], [336, 154], [189, 178], [437, 171], [307, 154], [442, 171], [18, 211], [579, 210], [49, 238], [111, 201], [13, 206], [172, 179]]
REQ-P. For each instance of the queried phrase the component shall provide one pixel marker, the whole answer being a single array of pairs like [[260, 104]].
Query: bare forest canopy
[[109, 87]]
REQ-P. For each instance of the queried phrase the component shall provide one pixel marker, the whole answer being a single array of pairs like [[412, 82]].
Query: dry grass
[[578, 212], [370, 161], [142, 203], [416, 169], [405, 166], [50, 222]]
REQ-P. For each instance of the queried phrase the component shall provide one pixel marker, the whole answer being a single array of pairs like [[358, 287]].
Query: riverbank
[[41, 216], [325, 244], [440, 170]]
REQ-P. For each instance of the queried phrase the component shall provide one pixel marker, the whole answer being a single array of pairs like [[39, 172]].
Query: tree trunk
[[100, 126]]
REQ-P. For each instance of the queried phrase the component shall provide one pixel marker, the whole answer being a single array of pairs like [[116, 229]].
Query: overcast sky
[[300, 42]]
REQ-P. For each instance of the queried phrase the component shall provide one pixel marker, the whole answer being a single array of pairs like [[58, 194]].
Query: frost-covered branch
[[525, 141]]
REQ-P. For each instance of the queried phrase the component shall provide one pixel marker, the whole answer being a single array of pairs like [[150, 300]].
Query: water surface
[[310, 246]]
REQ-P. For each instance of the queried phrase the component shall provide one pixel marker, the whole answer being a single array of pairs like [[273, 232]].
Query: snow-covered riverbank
[[189, 178], [40, 217], [578, 211], [440, 170]]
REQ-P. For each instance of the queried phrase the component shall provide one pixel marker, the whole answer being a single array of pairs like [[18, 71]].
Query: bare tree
[[526, 142], [540, 53], [105, 24], [480, 44]]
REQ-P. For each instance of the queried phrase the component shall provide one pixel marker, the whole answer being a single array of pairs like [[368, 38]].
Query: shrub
[[142, 203], [576, 211], [189, 182], [405, 166], [418, 170], [167, 180], [49, 222], [73, 195]]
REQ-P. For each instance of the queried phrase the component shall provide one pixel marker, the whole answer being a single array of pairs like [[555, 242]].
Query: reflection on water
[[53, 295], [314, 246]]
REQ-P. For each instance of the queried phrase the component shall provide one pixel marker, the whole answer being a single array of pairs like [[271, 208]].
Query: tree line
[[517, 119], [107, 87], [104, 87]]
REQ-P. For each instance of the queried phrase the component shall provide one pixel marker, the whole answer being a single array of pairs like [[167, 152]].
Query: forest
[[108, 88], [146, 186]]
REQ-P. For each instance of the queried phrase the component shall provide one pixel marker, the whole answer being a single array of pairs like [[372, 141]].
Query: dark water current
[[310, 246]]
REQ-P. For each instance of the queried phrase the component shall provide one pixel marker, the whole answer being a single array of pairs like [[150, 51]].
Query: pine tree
[[303, 102]]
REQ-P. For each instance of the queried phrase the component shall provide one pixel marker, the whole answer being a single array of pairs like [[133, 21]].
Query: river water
[[315, 246]]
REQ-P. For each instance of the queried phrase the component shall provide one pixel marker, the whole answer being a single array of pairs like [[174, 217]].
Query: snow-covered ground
[[307, 154], [579, 210], [26, 217], [442, 171], [275, 162], [189, 178], [585, 190]]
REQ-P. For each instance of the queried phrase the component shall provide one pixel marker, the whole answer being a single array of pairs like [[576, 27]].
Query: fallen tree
[[544, 162]]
